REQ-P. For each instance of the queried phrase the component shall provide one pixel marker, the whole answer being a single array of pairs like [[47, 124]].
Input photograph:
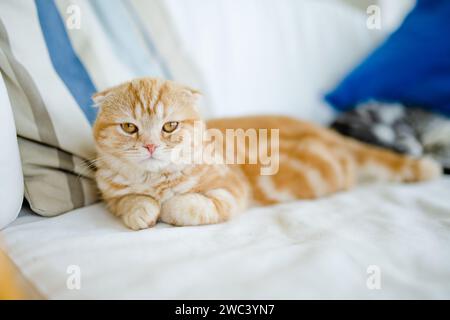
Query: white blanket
[[383, 241]]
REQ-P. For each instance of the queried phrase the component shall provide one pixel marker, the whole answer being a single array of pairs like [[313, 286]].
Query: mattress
[[375, 242]]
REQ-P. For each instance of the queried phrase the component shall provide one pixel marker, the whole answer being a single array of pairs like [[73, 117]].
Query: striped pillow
[[53, 56]]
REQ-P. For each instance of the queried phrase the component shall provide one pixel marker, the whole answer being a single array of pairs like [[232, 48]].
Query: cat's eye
[[170, 126], [129, 128]]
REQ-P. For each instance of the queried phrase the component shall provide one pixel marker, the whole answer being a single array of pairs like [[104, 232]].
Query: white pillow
[[265, 56], [11, 182]]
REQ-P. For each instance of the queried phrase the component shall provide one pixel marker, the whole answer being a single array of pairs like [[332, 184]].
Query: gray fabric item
[[412, 131]]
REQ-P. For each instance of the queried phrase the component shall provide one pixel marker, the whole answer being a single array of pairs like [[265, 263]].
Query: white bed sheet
[[305, 249]]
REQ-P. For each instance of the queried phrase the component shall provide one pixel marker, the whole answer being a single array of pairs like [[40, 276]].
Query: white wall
[[267, 56]]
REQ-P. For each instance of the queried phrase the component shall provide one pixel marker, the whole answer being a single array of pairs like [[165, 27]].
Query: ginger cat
[[143, 124]]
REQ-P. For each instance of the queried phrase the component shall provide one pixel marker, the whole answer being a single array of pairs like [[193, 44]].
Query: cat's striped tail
[[374, 163]]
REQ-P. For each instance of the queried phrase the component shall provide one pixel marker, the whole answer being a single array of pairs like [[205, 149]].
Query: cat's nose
[[150, 147]]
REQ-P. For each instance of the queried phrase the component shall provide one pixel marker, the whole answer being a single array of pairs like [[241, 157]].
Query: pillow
[[49, 91], [52, 65], [411, 67], [264, 56], [11, 182]]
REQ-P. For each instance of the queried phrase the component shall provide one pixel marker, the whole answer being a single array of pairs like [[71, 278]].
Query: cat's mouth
[[151, 158], [153, 164]]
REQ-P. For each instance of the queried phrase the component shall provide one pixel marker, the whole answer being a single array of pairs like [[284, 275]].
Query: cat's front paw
[[141, 215], [139, 219], [189, 210]]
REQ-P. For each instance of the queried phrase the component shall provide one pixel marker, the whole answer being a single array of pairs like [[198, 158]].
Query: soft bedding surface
[[327, 248]]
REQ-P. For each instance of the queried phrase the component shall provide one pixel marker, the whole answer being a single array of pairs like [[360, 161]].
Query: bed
[[375, 242]]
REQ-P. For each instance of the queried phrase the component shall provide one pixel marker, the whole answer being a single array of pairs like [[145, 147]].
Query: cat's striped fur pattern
[[143, 188]]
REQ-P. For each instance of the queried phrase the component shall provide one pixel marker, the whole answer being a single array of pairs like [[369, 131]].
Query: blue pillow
[[411, 67]]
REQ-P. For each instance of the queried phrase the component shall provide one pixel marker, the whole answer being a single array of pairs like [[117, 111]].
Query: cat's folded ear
[[196, 94], [100, 96]]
